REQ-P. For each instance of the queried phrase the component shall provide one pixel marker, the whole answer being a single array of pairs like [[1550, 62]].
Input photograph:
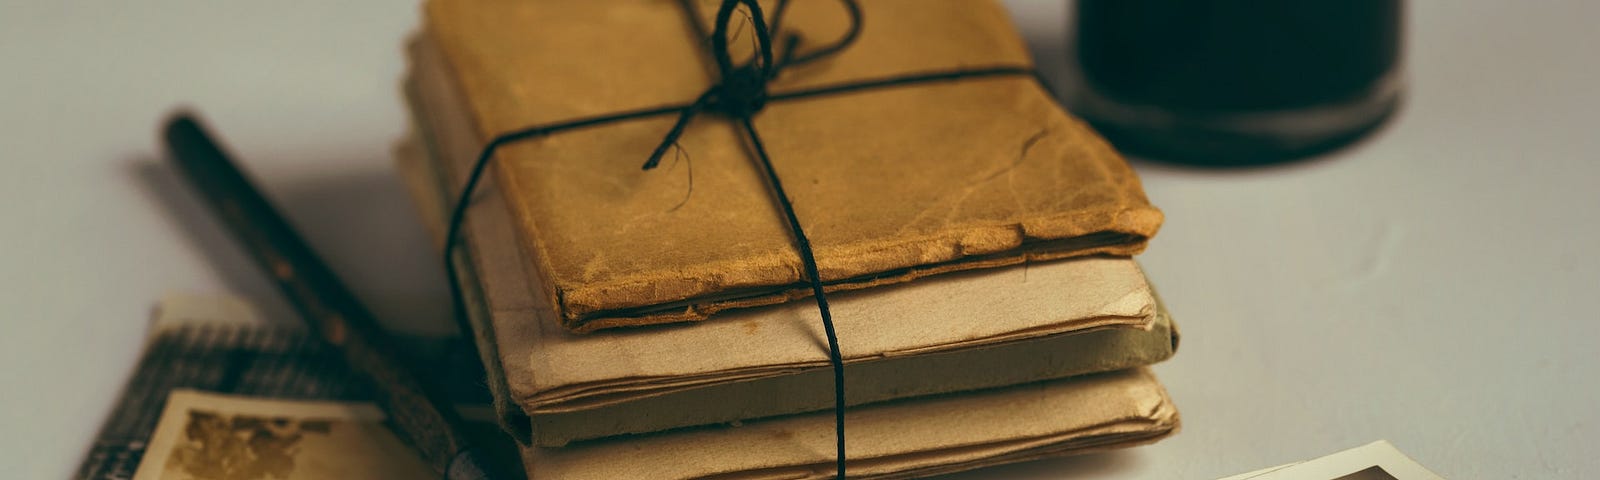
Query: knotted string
[[740, 94]]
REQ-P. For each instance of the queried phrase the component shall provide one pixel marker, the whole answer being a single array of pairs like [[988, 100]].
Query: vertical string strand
[[815, 278]]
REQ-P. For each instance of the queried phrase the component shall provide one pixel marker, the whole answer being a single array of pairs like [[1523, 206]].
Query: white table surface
[[1429, 286]]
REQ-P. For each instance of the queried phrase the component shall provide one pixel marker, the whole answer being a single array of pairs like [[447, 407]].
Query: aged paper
[[892, 184], [1000, 327], [1374, 461], [209, 436], [903, 439]]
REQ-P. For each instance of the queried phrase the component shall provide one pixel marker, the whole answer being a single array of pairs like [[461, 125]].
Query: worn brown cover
[[891, 184]]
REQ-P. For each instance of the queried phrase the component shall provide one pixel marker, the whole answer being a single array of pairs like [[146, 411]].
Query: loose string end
[[684, 116]]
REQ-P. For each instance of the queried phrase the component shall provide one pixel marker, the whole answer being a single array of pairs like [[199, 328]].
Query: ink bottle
[[1236, 82]]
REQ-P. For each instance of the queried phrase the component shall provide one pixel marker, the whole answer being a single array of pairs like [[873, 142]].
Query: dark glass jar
[[1236, 82]]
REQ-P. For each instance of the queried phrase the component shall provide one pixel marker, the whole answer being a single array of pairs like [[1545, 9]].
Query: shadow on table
[[362, 224]]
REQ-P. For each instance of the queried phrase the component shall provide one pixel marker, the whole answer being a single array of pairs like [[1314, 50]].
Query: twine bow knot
[[741, 90]]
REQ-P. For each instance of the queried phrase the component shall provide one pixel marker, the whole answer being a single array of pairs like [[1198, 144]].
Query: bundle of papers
[[972, 236]]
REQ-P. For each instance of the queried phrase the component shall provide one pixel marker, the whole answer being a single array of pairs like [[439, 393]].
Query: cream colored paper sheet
[[1378, 460]]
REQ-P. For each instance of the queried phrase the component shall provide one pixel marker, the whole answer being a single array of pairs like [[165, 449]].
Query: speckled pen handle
[[417, 409]]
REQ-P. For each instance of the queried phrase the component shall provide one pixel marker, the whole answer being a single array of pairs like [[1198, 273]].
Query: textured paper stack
[[633, 324]]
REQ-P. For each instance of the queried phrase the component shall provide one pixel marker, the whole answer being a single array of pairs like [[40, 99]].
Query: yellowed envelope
[[891, 440], [891, 184]]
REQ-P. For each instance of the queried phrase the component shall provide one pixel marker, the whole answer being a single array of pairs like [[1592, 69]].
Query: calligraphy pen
[[417, 409]]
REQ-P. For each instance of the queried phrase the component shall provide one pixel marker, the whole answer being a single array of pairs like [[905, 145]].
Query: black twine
[[740, 94]]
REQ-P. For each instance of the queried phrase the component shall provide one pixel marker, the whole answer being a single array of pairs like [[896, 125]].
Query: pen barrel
[[419, 411]]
